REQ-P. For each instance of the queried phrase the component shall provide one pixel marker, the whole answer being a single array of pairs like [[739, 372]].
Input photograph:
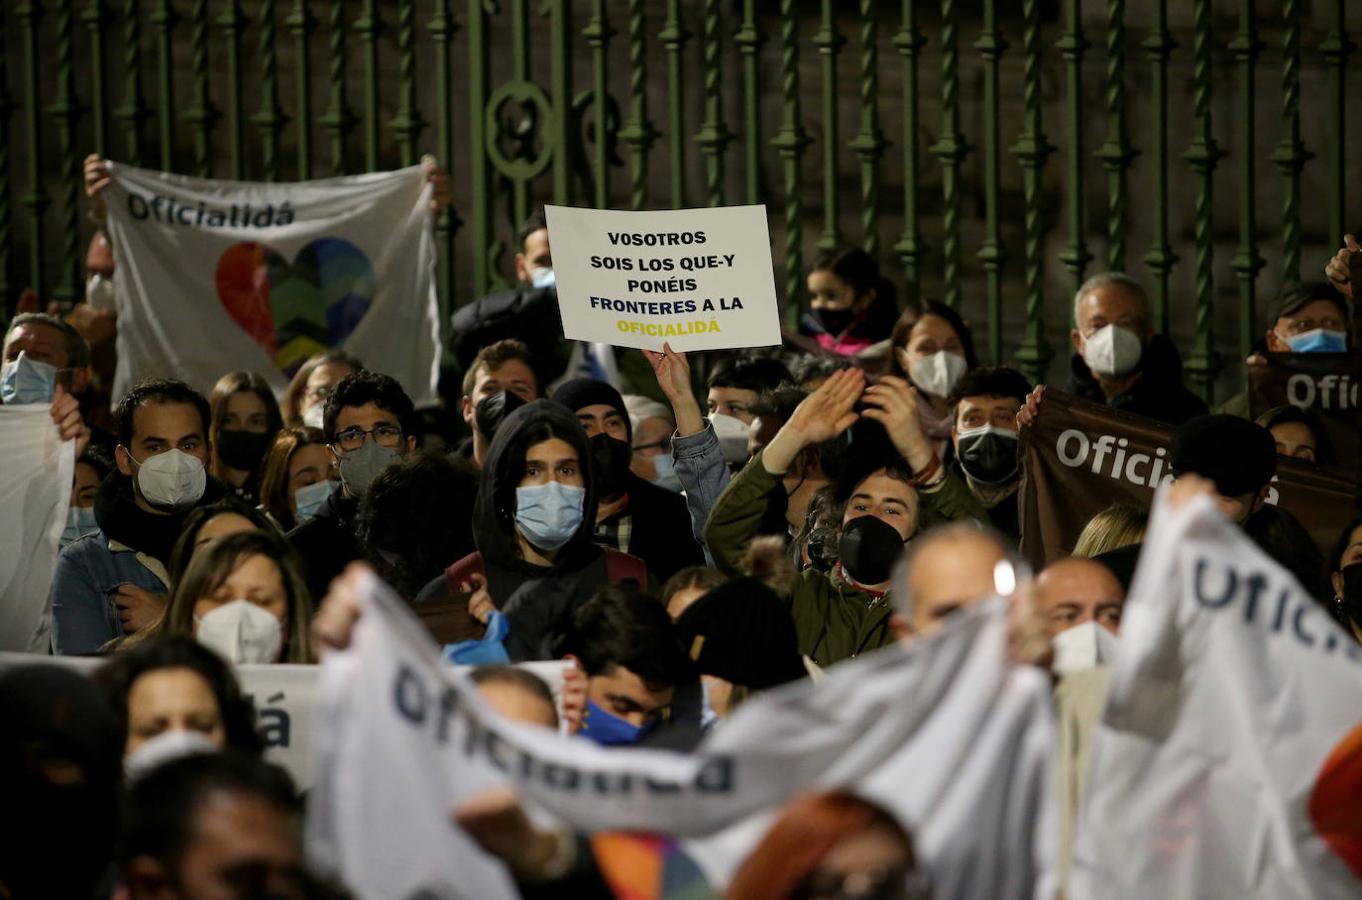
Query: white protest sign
[[699, 279]]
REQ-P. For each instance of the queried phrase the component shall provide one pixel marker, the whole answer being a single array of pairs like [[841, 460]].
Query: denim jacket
[[84, 584], [703, 474]]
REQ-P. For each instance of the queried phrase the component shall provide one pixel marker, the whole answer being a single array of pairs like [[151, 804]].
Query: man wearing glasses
[[368, 426]]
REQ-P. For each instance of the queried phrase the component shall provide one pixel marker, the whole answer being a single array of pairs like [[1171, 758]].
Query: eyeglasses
[[384, 436]]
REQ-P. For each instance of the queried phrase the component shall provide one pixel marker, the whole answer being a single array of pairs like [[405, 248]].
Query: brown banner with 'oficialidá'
[[1325, 384], [1079, 457]]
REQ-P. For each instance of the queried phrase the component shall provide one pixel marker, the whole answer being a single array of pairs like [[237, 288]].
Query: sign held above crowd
[[699, 279]]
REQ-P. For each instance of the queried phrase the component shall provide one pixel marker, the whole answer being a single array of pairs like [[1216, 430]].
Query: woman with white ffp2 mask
[[932, 348], [244, 597]]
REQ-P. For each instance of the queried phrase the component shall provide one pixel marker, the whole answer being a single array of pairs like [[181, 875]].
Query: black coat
[[661, 535], [1157, 394], [326, 542]]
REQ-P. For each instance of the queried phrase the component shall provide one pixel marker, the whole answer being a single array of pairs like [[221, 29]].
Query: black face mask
[[1350, 604], [869, 548], [492, 411], [988, 455], [834, 321], [243, 449], [610, 462]]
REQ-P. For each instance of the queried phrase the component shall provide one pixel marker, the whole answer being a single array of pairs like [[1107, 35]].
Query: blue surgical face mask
[[26, 380], [1320, 340], [80, 521], [310, 497], [543, 278], [549, 514], [664, 465], [608, 729]]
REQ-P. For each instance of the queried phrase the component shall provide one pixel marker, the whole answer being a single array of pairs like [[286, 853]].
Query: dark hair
[[97, 457], [520, 679], [807, 366], [1281, 536], [359, 388], [1283, 415], [1294, 296], [121, 672], [779, 403], [626, 627], [416, 519], [758, 373], [1341, 545], [991, 381], [193, 524], [274, 495], [163, 805], [535, 221], [688, 578], [293, 395], [908, 320], [162, 391], [77, 350], [494, 356], [859, 270]]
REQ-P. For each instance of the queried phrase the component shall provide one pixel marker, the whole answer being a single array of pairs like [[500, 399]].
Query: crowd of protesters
[[690, 534]]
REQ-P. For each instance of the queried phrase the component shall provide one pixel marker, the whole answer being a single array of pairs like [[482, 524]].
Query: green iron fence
[[829, 112]]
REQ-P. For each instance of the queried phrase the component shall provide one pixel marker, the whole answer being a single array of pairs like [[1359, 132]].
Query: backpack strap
[[621, 567]]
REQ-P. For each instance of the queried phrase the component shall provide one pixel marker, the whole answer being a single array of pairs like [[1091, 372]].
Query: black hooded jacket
[[536, 600], [1157, 394], [120, 518], [326, 542]]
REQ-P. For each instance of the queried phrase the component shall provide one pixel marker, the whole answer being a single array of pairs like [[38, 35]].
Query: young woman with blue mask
[[532, 523]]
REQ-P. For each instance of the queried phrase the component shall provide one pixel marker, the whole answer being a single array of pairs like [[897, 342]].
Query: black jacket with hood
[[536, 600], [1157, 394], [326, 542]]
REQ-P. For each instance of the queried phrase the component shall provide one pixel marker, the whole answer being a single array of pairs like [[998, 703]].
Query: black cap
[[1238, 455], [1297, 296], [742, 632], [580, 393]]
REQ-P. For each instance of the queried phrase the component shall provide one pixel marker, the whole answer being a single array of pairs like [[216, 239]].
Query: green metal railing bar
[[201, 115], [481, 216], [134, 111], [791, 142], [639, 133], [37, 199], [674, 37], [1336, 49], [1160, 259], [714, 136], [869, 143], [1032, 149], [163, 21], [442, 28], [1202, 156], [1116, 153], [301, 24], [1291, 155], [911, 249], [1247, 261], [65, 110], [1072, 45], [270, 118], [951, 149], [407, 123], [368, 28], [560, 75], [992, 255], [8, 287], [748, 41], [95, 20], [233, 21], [339, 120], [829, 42], [598, 33]]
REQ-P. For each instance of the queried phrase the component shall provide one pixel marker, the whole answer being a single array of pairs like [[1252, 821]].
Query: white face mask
[[165, 747], [1112, 351], [732, 434], [938, 373], [242, 633], [1082, 647], [172, 479], [99, 292], [314, 415]]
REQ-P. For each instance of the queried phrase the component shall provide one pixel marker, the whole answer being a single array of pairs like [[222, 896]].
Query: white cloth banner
[[1228, 761], [215, 276], [35, 491], [946, 734]]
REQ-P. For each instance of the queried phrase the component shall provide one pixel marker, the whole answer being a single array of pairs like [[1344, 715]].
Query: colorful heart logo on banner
[[294, 310], [1336, 802]]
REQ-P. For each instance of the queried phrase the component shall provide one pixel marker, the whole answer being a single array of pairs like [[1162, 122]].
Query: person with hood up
[[533, 521], [843, 612], [633, 515], [1118, 359]]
